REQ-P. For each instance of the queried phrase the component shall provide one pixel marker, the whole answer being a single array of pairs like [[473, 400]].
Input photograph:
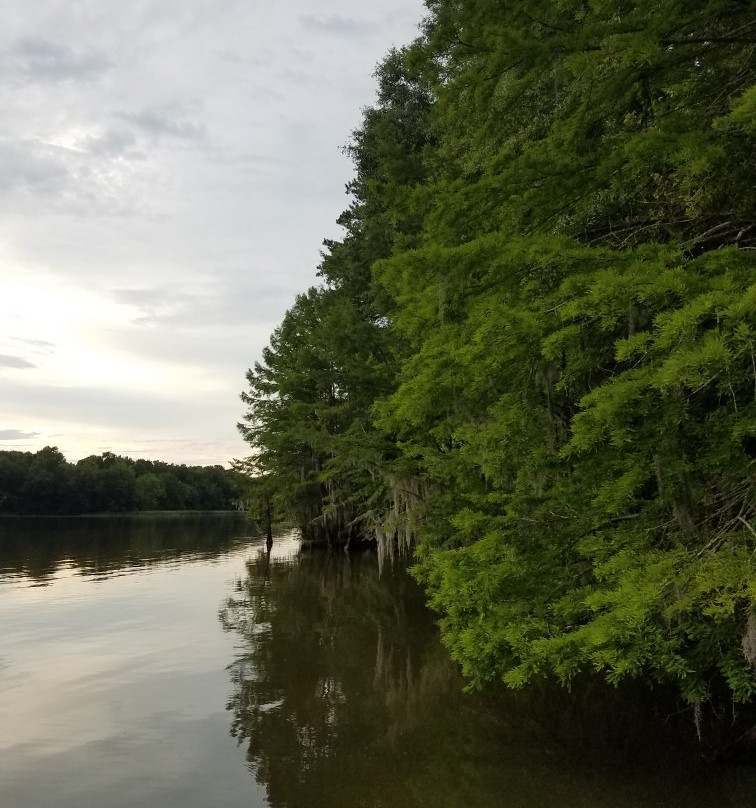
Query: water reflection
[[342, 697], [337, 672], [41, 547], [112, 664], [115, 690]]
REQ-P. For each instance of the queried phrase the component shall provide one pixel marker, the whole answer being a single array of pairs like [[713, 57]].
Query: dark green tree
[[309, 419], [534, 347], [44, 483]]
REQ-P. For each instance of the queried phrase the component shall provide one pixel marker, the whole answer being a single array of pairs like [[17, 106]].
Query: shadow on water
[[342, 696], [38, 547]]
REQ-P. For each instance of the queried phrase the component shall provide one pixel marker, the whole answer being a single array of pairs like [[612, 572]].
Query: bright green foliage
[[582, 391], [570, 363]]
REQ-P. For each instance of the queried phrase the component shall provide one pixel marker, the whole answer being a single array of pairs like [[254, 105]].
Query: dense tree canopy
[[532, 353], [44, 483]]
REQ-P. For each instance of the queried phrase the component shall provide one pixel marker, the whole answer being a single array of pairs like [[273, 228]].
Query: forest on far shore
[[44, 483]]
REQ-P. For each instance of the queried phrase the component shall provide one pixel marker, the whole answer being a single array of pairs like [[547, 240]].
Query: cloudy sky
[[168, 171]]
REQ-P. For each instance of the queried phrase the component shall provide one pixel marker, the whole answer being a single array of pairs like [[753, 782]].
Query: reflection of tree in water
[[339, 668], [343, 698], [40, 546]]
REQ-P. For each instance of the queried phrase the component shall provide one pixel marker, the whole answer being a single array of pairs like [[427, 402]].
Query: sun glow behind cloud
[[71, 320], [56, 348], [168, 171]]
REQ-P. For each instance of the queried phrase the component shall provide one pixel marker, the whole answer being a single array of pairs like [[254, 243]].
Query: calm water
[[175, 662]]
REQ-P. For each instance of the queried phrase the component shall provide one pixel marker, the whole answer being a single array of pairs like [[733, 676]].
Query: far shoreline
[[122, 514]]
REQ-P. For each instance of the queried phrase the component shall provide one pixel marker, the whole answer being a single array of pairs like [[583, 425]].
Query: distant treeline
[[45, 483]]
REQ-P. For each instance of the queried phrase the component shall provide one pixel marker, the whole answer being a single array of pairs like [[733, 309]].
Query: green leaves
[[540, 324], [584, 399]]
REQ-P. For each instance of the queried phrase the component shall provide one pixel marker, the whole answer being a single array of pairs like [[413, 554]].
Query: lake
[[175, 662]]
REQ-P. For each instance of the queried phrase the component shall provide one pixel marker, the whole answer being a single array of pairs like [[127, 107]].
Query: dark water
[[174, 662]]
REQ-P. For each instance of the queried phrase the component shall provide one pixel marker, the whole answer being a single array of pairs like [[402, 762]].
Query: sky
[[168, 172]]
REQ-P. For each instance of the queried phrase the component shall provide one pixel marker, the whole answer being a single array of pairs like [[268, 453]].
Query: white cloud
[[16, 434], [168, 171], [338, 25], [34, 59], [165, 121], [15, 362]]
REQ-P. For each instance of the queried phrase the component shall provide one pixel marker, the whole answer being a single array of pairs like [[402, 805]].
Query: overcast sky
[[168, 171]]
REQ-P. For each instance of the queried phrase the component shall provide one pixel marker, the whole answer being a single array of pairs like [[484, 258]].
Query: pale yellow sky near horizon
[[168, 171]]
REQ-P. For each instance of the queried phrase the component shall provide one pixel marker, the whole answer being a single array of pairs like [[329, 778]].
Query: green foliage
[[547, 283], [310, 399], [44, 483]]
